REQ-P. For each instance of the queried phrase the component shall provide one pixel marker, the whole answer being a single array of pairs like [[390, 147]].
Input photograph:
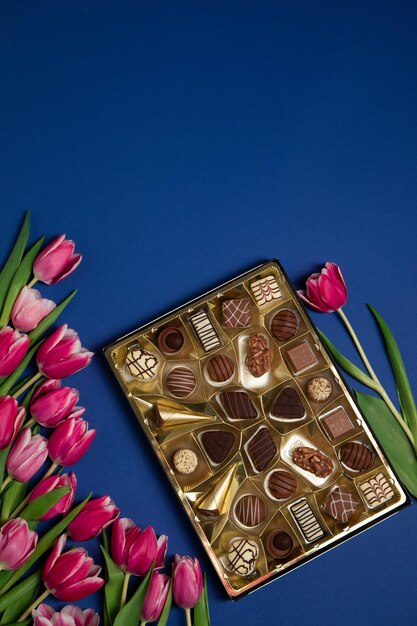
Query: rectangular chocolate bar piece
[[306, 521], [205, 330]]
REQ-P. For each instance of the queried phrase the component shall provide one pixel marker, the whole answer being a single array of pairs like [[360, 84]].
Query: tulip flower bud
[[56, 261], [162, 545], [70, 615], [155, 597], [11, 417], [70, 441], [50, 484], [188, 581], [71, 575], [51, 404], [61, 354], [29, 309], [13, 347], [133, 549], [26, 456], [325, 292], [17, 543], [93, 517]]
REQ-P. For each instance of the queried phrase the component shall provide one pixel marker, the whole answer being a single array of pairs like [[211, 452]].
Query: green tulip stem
[[143, 623], [32, 282], [378, 386], [28, 384], [188, 617], [124, 589], [5, 482], [33, 606], [26, 500]]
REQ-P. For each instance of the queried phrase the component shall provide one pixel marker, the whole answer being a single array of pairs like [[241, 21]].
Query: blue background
[[181, 142]]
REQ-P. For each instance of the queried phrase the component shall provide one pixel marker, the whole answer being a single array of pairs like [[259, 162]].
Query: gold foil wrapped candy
[[217, 501]]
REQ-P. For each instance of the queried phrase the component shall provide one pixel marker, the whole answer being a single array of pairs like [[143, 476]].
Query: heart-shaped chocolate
[[218, 444]]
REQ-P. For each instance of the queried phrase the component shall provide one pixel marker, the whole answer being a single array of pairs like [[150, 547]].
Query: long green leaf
[[13, 262], [45, 543], [28, 592], [201, 610], [14, 377], [394, 441], [405, 393], [20, 279], [38, 507], [347, 365], [113, 588], [25, 622], [12, 596], [12, 497], [130, 613], [3, 459], [167, 607], [50, 319]]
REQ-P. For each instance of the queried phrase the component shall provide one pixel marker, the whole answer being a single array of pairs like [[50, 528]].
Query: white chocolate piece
[[265, 290], [376, 491], [205, 330], [142, 364], [306, 521], [241, 556]]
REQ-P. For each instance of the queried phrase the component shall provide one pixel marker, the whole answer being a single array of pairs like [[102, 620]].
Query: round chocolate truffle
[[356, 456], [220, 369], [284, 325], [281, 484], [250, 511], [181, 382], [185, 461], [170, 340], [279, 544], [319, 389]]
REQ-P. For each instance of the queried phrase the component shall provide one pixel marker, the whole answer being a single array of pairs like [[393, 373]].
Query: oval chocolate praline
[[281, 484], [170, 340], [181, 382], [356, 456], [279, 544], [220, 368], [284, 325]]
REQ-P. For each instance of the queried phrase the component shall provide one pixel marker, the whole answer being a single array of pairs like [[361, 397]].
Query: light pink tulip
[[71, 575], [132, 548], [56, 261], [11, 417], [93, 517], [188, 581], [325, 292], [26, 456], [51, 404], [13, 347], [61, 354], [155, 597], [50, 484], [70, 615], [17, 543], [29, 309], [70, 441]]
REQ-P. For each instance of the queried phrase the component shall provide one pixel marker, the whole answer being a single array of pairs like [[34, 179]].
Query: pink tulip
[[17, 543], [56, 261], [50, 484], [51, 404], [11, 417], [26, 456], [70, 441], [155, 597], [133, 549], [71, 575], [188, 581], [13, 347], [70, 615], [325, 292], [61, 354], [29, 309], [95, 515], [162, 545]]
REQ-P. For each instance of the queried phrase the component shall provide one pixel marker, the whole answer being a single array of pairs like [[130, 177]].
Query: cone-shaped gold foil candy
[[168, 415], [217, 501]]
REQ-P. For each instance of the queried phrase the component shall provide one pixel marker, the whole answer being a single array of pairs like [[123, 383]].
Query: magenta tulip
[[71, 575], [188, 581], [13, 347], [29, 309], [70, 615], [70, 441], [17, 543], [26, 456], [325, 292], [11, 417], [51, 404], [155, 597], [93, 517], [50, 484], [61, 354], [56, 261], [132, 548], [162, 545]]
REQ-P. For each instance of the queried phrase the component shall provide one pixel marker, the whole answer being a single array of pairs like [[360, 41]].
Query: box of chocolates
[[255, 428]]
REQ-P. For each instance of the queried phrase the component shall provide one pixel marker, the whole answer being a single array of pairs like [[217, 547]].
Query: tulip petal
[[54, 554], [80, 590]]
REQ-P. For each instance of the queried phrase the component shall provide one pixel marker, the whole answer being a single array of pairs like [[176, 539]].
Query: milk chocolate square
[[236, 313], [301, 357], [337, 423]]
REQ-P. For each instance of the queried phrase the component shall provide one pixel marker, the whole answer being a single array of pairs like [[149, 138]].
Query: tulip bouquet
[[43, 431], [395, 427]]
